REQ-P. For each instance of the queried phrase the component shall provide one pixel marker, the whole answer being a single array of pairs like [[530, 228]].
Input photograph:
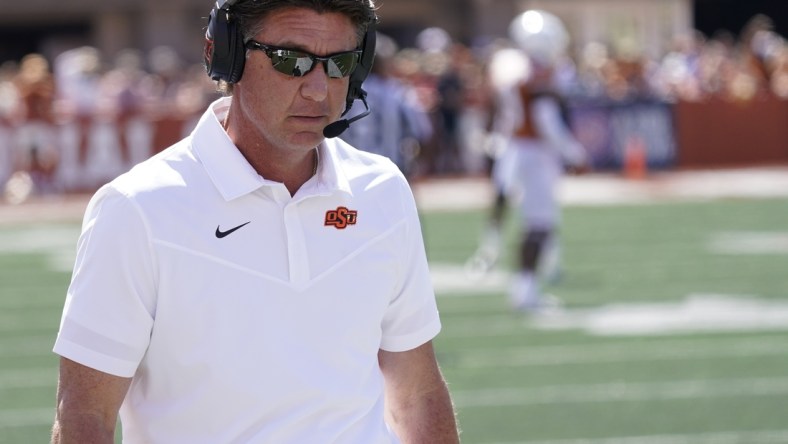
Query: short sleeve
[[412, 316], [110, 304]]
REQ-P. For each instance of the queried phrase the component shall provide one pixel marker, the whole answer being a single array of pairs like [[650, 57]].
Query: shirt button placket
[[296, 244]]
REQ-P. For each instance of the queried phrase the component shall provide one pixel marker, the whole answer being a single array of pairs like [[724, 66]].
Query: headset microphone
[[336, 128], [354, 91]]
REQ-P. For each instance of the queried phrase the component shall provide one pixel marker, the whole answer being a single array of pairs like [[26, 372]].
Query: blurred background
[[89, 87], [674, 246]]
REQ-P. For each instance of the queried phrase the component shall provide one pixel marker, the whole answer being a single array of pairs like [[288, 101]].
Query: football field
[[674, 330]]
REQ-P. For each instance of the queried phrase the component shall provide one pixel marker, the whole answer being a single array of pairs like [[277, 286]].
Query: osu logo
[[341, 218]]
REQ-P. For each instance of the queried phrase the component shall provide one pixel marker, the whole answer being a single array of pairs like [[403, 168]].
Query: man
[[36, 154], [542, 143], [532, 127], [256, 283]]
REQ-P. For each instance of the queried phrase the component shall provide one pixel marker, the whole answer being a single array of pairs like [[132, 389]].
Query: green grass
[[31, 299], [512, 380]]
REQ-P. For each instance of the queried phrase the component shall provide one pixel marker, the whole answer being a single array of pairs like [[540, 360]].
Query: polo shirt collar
[[331, 176], [232, 174]]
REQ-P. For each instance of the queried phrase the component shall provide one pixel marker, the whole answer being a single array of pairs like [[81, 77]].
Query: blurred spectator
[[475, 116], [438, 87], [397, 126], [165, 77], [195, 92], [35, 157], [77, 75], [120, 97], [450, 90], [8, 104], [679, 74], [779, 72], [721, 67], [768, 52]]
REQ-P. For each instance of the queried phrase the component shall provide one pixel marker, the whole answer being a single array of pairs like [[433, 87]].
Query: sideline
[[621, 392], [615, 189], [476, 192]]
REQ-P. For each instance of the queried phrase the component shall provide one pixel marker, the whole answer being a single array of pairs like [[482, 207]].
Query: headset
[[361, 72], [224, 47], [225, 53]]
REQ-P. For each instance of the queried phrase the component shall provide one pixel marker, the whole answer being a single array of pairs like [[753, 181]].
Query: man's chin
[[307, 138]]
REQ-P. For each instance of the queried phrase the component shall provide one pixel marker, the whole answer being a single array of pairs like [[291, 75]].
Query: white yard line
[[690, 349], [621, 392], [476, 192], [612, 189], [696, 313]]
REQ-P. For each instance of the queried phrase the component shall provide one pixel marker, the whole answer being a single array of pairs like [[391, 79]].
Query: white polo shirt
[[246, 315]]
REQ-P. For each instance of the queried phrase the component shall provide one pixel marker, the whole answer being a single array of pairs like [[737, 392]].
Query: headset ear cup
[[239, 53], [224, 50], [364, 67]]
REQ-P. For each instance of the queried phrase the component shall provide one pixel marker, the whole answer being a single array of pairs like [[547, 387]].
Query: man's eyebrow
[[301, 48], [287, 45]]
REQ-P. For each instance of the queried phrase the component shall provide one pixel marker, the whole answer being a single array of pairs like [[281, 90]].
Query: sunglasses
[[298, 63]]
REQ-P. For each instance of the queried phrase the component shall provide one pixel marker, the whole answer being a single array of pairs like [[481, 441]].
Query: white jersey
[[245, 315], [528, 168]]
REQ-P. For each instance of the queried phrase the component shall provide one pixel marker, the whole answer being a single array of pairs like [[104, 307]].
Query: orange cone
[[635, 162]]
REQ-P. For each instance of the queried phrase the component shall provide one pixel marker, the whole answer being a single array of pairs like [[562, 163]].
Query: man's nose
[[315, 86]]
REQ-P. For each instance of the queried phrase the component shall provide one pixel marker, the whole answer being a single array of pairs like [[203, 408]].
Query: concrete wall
[[645, 26]]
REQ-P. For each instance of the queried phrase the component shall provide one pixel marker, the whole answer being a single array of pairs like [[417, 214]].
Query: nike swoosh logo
[[220, 234]]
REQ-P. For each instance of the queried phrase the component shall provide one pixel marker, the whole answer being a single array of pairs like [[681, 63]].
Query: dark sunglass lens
[[341, 65], [297, 64], [302, 66], [291, 63]]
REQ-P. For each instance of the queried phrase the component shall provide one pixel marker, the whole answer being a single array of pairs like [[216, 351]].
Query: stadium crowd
[[58, 116]]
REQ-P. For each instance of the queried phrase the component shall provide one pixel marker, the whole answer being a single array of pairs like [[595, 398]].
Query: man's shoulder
[[357, 162], [163, 170]]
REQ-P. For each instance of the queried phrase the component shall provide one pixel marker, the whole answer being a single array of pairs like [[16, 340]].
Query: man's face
[[290, 112]]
